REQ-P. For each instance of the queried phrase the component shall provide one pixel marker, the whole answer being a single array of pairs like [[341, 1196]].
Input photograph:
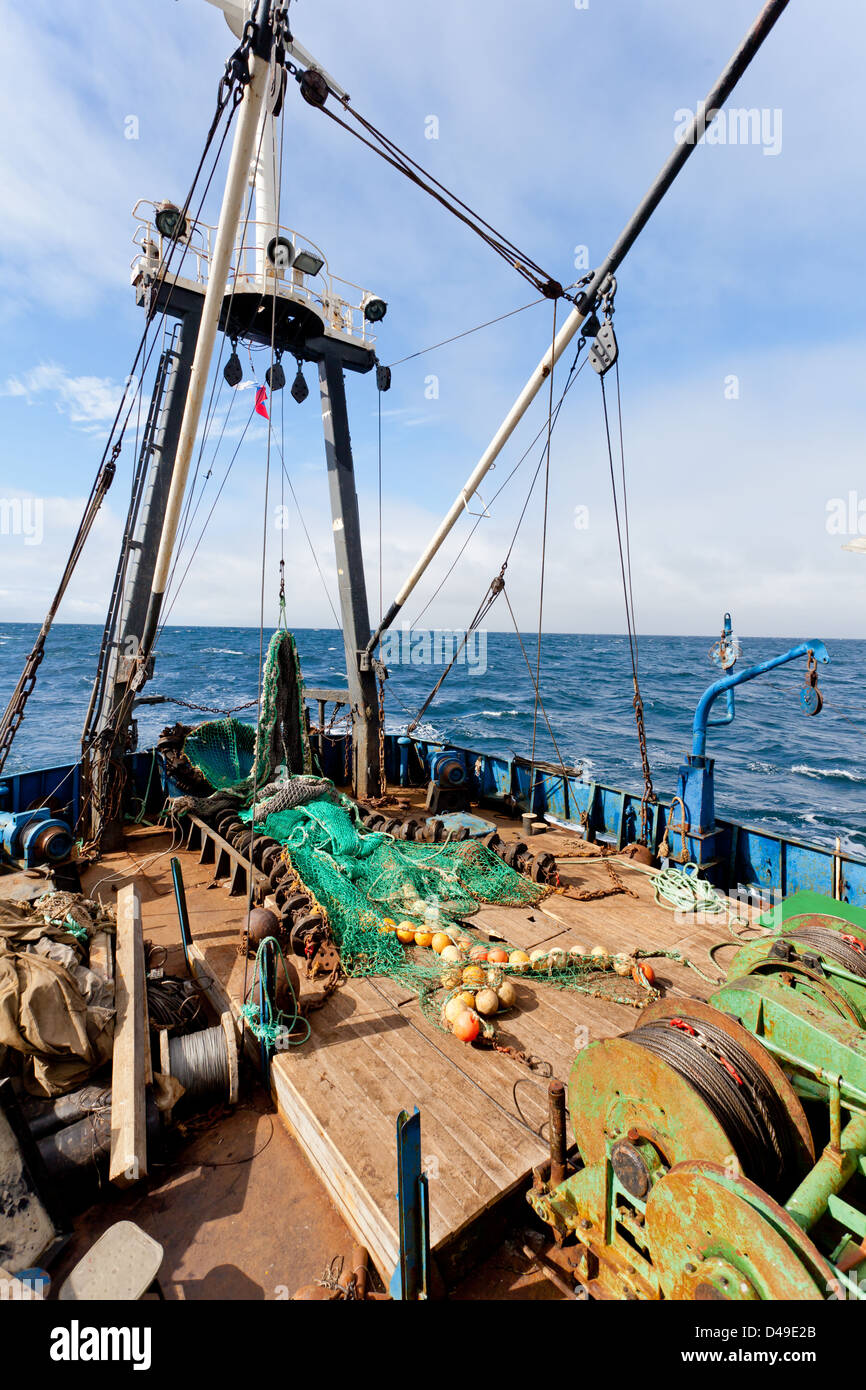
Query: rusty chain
[[383, 784]]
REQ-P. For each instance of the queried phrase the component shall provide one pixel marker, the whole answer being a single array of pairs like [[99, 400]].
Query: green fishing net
[[229, 752], [367, 881], [223, 750]]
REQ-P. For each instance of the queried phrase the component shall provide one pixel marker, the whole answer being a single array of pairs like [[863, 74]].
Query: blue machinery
[[411, 1277], [33, 837], [697, 836]]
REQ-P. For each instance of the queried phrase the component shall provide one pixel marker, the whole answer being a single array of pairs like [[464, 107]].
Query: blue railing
[[748, 858]]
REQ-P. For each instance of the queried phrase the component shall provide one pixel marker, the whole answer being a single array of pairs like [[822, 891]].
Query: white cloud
[[86, 400]]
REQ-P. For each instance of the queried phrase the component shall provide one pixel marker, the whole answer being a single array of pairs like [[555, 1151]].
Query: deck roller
[[716, 1139]]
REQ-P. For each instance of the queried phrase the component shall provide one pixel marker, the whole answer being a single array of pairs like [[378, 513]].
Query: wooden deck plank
[[129, 1067], [373, 1051]]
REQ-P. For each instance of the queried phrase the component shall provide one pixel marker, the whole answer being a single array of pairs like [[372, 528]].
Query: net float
[[487, 1001]]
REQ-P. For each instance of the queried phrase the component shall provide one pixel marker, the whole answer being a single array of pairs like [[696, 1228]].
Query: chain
[[682, 827], [383, 784], [587, 895], [649, 791], [282, 618], [206, 709]]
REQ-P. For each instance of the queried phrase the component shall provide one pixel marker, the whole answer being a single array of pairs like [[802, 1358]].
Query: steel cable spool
[[205, 1063], [833, 944], [735, 1090]]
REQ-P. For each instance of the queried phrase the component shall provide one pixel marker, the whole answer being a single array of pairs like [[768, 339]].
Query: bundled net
[[369, 884], [240, 761], [223, 750], [366, 883]]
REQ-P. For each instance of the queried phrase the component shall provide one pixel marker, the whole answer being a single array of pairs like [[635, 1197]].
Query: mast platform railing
[[338, 302]]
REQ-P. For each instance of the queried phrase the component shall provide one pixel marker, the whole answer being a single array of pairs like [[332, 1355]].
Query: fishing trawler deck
[[372, 1052]]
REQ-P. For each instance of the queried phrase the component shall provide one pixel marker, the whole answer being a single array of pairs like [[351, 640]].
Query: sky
[[739, 313]]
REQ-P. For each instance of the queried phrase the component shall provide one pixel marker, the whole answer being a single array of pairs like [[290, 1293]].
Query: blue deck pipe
[[726, 686], [404, 744]]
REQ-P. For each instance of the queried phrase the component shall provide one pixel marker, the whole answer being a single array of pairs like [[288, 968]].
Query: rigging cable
[[107, 466], [380, 144], [497, 585], [379, 479], [637, 702], [255, 769], [572, 377], [537, 680], [467, 332], [307, 534]]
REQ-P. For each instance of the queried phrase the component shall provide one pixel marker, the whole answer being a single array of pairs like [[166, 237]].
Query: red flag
[[262, 401]]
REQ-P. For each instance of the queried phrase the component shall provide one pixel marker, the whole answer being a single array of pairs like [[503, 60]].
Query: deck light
[[375, 310], [170, 221], [280, 251], [308, 263]]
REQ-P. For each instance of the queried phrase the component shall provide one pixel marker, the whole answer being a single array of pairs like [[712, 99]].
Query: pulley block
[[811, 699], [604, 350]]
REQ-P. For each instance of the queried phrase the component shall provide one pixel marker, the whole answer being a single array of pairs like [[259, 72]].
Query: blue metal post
[[726, 686], [695, 777], [404, 744]]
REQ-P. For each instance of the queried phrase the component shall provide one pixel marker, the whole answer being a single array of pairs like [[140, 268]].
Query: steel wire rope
[[398, 159], [493, 589], [106, 468], [649, 793], [255, 769], [572, 377], [734, 1087], [241, 239], [307, 534], [537, 681], [123, 708], [467, 332]]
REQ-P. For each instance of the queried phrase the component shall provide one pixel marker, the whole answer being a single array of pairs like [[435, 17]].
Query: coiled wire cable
[[736, 1091]]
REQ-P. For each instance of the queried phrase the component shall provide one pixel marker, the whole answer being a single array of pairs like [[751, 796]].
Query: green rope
[[140, 817], [266, 1032]]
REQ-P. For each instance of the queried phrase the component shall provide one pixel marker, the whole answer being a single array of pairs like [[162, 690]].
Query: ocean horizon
[[776, 768]]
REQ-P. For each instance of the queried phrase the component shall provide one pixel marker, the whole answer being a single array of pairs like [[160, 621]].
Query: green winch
[[723, 1144]]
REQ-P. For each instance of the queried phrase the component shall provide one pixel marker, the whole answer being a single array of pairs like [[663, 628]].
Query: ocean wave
[[498, 713], [223, 651], [806, 771]]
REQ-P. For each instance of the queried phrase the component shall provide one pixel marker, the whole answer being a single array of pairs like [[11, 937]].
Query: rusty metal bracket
[[227, 861]]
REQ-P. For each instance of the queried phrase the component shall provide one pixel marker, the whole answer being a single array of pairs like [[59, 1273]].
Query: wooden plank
[[128, 1162], [362, 1214], [515, 925]]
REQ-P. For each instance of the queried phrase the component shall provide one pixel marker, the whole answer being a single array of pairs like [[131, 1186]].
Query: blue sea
[[775, 767]]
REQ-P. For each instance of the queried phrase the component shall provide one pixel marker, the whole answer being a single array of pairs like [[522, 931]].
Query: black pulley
[[275, 377], [233, 371]]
